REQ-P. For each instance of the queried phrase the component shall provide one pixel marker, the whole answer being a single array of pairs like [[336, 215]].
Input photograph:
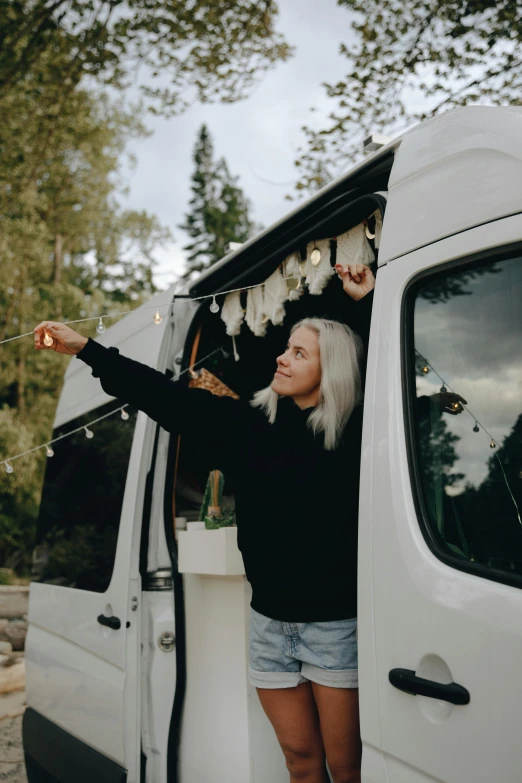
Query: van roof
[[247, 264]]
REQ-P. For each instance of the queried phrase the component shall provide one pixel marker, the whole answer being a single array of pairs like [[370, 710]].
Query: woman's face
[[298, 373]]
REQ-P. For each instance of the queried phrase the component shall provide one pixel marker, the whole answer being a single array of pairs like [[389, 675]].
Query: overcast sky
[[258, 136]]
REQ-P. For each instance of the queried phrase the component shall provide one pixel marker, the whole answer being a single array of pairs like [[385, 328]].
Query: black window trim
[[498, 254]]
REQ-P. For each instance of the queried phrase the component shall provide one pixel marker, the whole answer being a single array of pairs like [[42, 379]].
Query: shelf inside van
[[210, 552]]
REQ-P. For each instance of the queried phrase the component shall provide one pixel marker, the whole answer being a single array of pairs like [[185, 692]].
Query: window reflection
[[81, 503], [468, 341]]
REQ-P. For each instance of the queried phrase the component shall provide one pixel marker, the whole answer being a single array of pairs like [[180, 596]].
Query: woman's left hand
[[358, 279]]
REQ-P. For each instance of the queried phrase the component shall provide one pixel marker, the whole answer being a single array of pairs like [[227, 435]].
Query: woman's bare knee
[[294, 717]]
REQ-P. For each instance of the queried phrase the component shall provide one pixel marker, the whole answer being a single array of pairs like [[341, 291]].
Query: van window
[[465, 327], [81, 503]]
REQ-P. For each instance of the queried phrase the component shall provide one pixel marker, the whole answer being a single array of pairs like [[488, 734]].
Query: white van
[[136, 663]]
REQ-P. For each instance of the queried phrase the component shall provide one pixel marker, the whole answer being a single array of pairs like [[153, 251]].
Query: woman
[[293, 452]]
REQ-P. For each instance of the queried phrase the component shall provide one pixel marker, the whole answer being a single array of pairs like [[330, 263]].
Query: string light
[[367, 231], [425, 369], [157, 319], [492, 445], [124, 415], [48, 340], [315, 256]]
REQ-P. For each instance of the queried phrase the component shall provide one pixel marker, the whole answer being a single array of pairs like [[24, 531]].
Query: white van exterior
[[143, 679]]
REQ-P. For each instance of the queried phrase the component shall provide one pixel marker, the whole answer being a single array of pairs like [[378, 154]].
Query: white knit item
[[232, 313], [275, 296], [318, 276], [353, 247], [378, 228], [254, 311], [292, 269]]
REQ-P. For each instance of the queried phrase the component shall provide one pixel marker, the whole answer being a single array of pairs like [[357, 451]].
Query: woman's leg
[[293, 714], [339, 720]]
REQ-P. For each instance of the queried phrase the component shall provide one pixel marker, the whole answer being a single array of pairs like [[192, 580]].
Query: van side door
[[440, 541]]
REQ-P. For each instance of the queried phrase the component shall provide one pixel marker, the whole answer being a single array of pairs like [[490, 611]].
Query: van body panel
[[425, 615], [450, 173], [62, 757], [82, 675]]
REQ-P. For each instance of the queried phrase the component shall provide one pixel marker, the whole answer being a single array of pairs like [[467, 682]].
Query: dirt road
[[12, 767]]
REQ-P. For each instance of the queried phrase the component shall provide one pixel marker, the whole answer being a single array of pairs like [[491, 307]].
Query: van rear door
[[83, 643], [440, 537]]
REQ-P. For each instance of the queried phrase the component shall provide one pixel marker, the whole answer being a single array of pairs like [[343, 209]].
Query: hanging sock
[[232, 313], [275, 297], [254, 311], [353, 247], [292, 272], [318, 268]]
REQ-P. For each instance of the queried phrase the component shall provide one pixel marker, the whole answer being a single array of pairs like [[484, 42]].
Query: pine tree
[[219, 211]]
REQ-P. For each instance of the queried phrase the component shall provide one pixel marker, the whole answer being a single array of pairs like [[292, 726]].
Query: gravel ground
[[12, 767]]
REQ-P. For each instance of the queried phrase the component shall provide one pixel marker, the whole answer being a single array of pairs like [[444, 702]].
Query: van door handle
[[406, 680], [110, 622]]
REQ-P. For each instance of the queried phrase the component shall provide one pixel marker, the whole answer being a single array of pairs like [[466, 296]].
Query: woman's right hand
[[65, 339]]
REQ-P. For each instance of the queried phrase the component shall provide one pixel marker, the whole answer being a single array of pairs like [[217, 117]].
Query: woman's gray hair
[[340, 351]]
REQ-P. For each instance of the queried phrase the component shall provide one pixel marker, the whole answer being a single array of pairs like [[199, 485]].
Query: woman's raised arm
[[175, 406]]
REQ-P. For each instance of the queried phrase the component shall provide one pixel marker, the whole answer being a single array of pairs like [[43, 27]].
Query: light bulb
[[8, 468], [214, 307], [443, 389], [49, 451], [100, 328], [455, 406], [476, 428], [88, 433], [425, 369], [315, 256], [157, 318], [124, 415], [47, 340], [492, 445]]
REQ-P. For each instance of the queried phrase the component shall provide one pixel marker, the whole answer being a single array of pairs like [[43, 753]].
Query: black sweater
[[296, 503]]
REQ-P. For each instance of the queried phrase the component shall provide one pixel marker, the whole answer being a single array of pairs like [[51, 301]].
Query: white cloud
[[258, 136]]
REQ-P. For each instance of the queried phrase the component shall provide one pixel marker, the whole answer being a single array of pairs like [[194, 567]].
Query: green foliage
[[219, 211], [200, 50], [410, 61], [67, 248], [67, 251]]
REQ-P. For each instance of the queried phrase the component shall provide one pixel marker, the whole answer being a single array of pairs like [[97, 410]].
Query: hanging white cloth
[[292, 269], [353, 247], [254, 311], [317, 275], [232, 313], [275, 297]]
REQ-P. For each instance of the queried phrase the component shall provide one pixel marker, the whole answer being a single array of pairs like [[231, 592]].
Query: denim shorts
[[283, 655]]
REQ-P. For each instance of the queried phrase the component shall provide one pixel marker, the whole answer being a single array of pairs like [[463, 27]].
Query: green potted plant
[[212, 512]]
